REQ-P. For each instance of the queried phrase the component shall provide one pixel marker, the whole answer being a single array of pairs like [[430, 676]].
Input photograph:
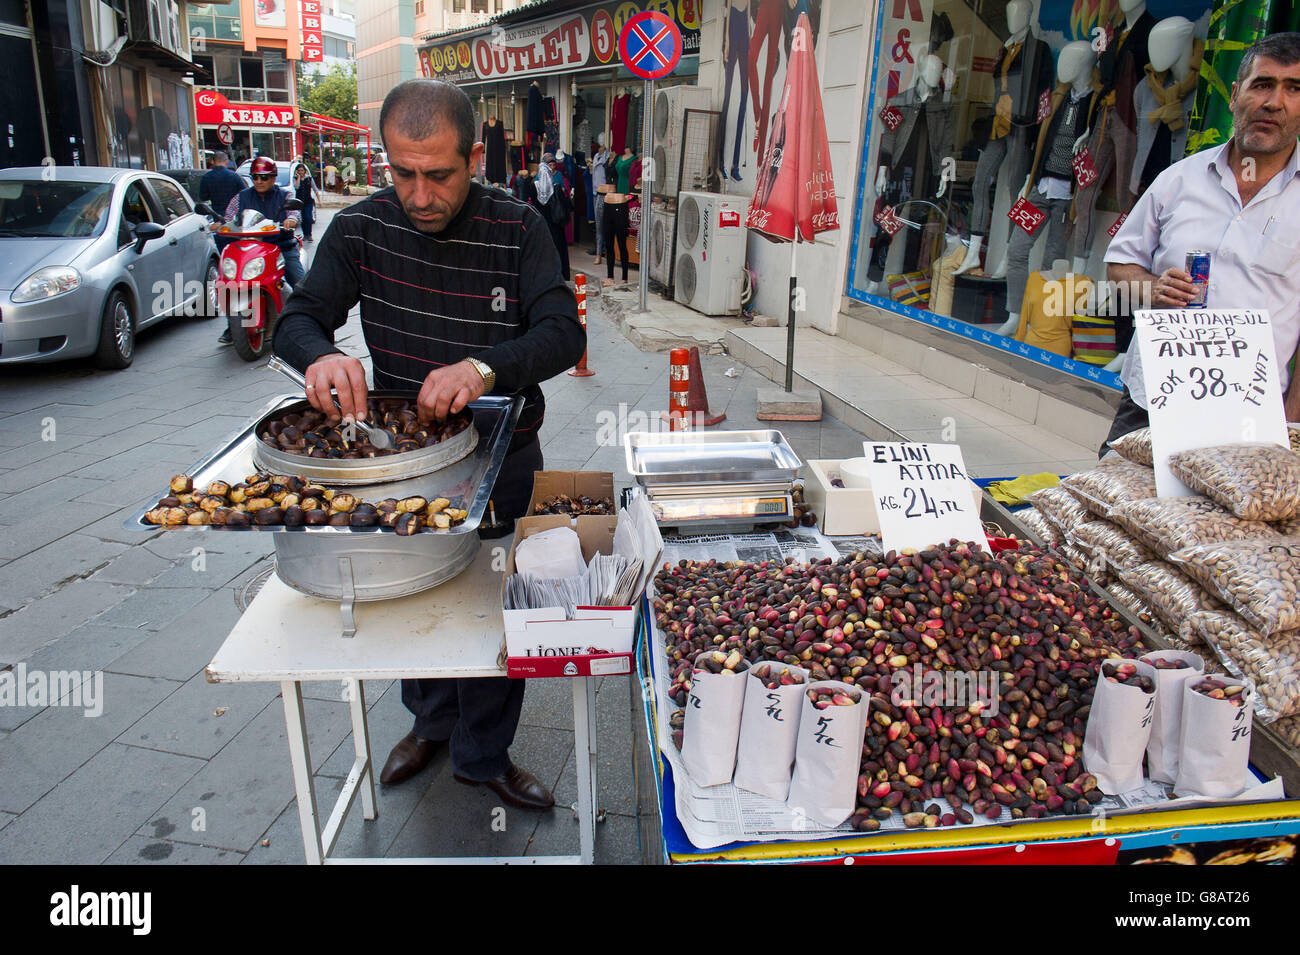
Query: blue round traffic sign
[[650, 45]]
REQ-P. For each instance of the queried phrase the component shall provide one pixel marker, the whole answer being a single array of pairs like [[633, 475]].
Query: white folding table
[[452, 631]]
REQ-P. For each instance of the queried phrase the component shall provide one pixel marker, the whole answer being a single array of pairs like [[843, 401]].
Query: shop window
[[478, 6], [419, 8], [457, 6], [975, 108], [251, 76]]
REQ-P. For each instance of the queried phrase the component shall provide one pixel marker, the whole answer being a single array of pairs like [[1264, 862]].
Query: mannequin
[[615, 226], [535, 124], [1023, 70], [599, 179], [1163, 99], [921, 142], [1113, 129], [1052, 299], [623, 168], [1050, 184]]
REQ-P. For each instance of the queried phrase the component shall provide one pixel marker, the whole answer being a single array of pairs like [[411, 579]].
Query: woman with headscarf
[[306, 191]]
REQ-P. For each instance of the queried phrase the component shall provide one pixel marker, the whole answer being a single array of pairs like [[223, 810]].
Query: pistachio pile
[[773, 678], [1160, 663], [1218, 690], [1025, 620], [309, 433], [1127, 674], [292, 501]]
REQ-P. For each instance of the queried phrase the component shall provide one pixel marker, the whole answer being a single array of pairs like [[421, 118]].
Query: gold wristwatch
[[485, 371]]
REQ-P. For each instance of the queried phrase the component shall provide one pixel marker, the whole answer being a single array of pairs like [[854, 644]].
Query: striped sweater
[[488, 285]]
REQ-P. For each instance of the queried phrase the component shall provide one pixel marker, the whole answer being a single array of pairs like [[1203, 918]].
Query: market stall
[[1056, 784]]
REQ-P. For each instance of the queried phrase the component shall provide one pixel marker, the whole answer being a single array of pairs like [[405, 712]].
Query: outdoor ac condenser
[[710, 252], [671, 105], [661, 252]]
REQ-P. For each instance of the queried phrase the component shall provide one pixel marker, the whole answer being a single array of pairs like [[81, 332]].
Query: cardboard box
[[598, 642], [551, 484], [847, 511], [841, 511]]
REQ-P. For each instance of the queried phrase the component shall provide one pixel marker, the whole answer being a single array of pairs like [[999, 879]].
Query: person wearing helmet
[[267, 198]]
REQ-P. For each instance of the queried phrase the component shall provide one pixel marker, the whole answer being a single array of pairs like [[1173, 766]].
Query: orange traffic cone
[[688, 400], [580, 292]]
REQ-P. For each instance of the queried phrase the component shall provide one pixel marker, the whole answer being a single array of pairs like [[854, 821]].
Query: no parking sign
[[650, 45]]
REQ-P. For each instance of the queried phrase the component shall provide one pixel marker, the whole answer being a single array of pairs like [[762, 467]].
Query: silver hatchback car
[[90, 255]]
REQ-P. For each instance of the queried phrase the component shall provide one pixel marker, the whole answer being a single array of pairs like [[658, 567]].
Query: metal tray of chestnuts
[[296, 440], [465, 476]]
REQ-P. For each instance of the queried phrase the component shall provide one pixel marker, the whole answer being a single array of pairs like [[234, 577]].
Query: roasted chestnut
[[219, 516], [171, 500], [269, 516], [387, 518], [238, 494], [360, 518], [238, 519], [198, 517], [289, 500], [255, 504], [412, 504], [211, 502], [294, 516], [181, 484], [156, 516], [342, 502], [339, 519], [309, 503], [441, 520], [175, 516], [219, 488], [316, 517], [408, 523]]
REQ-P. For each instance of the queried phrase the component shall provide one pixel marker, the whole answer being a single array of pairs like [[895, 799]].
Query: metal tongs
[[379, 438]]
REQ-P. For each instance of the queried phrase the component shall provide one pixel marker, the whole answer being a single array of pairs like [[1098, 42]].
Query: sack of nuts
[[1173, 668], [1271, 663], [1170, 594], [1109, 545], [1040, 526], [1167, 524], [769, 727], [1214, 746], [1135, 446], [828, 754], [1061, 509], [1258, 578], [1258, 482], [713, 716], [1289, 728], [1103, 488], [1119, 724]]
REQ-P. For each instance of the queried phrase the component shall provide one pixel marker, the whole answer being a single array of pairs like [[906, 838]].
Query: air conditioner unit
[[710, 252], [661, 252], [670, 132]]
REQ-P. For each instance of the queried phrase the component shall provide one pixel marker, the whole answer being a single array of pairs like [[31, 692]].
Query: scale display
[[681, 510]]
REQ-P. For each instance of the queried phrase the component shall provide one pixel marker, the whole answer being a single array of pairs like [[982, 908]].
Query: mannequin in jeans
[[1050, 185]]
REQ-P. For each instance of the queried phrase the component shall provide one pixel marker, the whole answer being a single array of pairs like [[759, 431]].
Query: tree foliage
[[332, 92]]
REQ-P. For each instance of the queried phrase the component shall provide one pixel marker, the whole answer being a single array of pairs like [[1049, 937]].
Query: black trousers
[[479, 716], [615, 226], [1130, 416], [562, 247]]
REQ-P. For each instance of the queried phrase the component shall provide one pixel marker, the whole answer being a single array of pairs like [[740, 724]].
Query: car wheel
[[116, 333], [209, 308]]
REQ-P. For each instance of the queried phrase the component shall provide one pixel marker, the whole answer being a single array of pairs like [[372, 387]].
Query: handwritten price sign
[[889, 223], [1085, 171], [1118, 222], [922, 494], [1044, 105], [1027, 215], [891, 117], [1211, 378]]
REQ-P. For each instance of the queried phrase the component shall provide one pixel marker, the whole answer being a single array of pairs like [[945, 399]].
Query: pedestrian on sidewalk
[[306, 190], [555, 206], [615, 227]]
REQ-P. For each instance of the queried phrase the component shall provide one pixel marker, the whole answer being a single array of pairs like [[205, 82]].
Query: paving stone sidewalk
[[176, 770]]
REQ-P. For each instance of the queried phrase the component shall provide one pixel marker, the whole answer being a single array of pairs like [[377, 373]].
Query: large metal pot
[[350, 473], [371, 566]]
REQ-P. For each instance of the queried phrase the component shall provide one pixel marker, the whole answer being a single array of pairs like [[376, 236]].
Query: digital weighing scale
[[697, 479]]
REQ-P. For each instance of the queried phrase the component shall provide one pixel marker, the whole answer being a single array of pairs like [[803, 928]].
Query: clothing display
[[615, 230], [582, 137], [493, 137], [1164, 110], [897, 147], [623, 168], [1046, 319], [634, 137], [737, 61], [534, 120], [618, 123], [1022, 244], [768, 23]]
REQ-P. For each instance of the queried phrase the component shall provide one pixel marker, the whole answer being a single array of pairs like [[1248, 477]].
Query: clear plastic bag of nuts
[[1271, 663], [1119, 592], [1167, 524], [1101, 489], [1061, 509], [1289, 730], [1258, 578], [1109, 544], [1038, 525], [1258, 482], [1135, 446], [1169, 593]]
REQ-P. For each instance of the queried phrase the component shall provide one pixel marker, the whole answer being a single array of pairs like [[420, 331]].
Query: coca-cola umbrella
[[794, 198]]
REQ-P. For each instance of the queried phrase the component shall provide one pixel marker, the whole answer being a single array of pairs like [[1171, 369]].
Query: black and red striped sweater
[[488, 285]]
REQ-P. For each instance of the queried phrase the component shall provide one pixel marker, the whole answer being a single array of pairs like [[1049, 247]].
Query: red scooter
[[250, 291]]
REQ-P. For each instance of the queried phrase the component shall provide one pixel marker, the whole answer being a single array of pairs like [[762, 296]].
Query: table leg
[[582, 727], [295, 723], [361, 744]]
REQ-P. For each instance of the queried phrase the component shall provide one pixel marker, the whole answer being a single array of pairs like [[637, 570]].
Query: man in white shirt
[[1239, 201]]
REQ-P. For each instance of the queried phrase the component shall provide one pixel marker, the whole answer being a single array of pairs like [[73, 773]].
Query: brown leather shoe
[[408, 757], [516, 787]]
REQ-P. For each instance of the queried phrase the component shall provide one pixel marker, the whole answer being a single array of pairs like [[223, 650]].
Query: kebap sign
[[582, 39]]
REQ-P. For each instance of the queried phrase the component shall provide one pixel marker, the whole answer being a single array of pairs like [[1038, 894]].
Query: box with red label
[[599, 641]]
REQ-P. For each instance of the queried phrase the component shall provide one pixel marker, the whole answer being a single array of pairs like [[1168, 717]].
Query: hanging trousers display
[[615, 227]]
